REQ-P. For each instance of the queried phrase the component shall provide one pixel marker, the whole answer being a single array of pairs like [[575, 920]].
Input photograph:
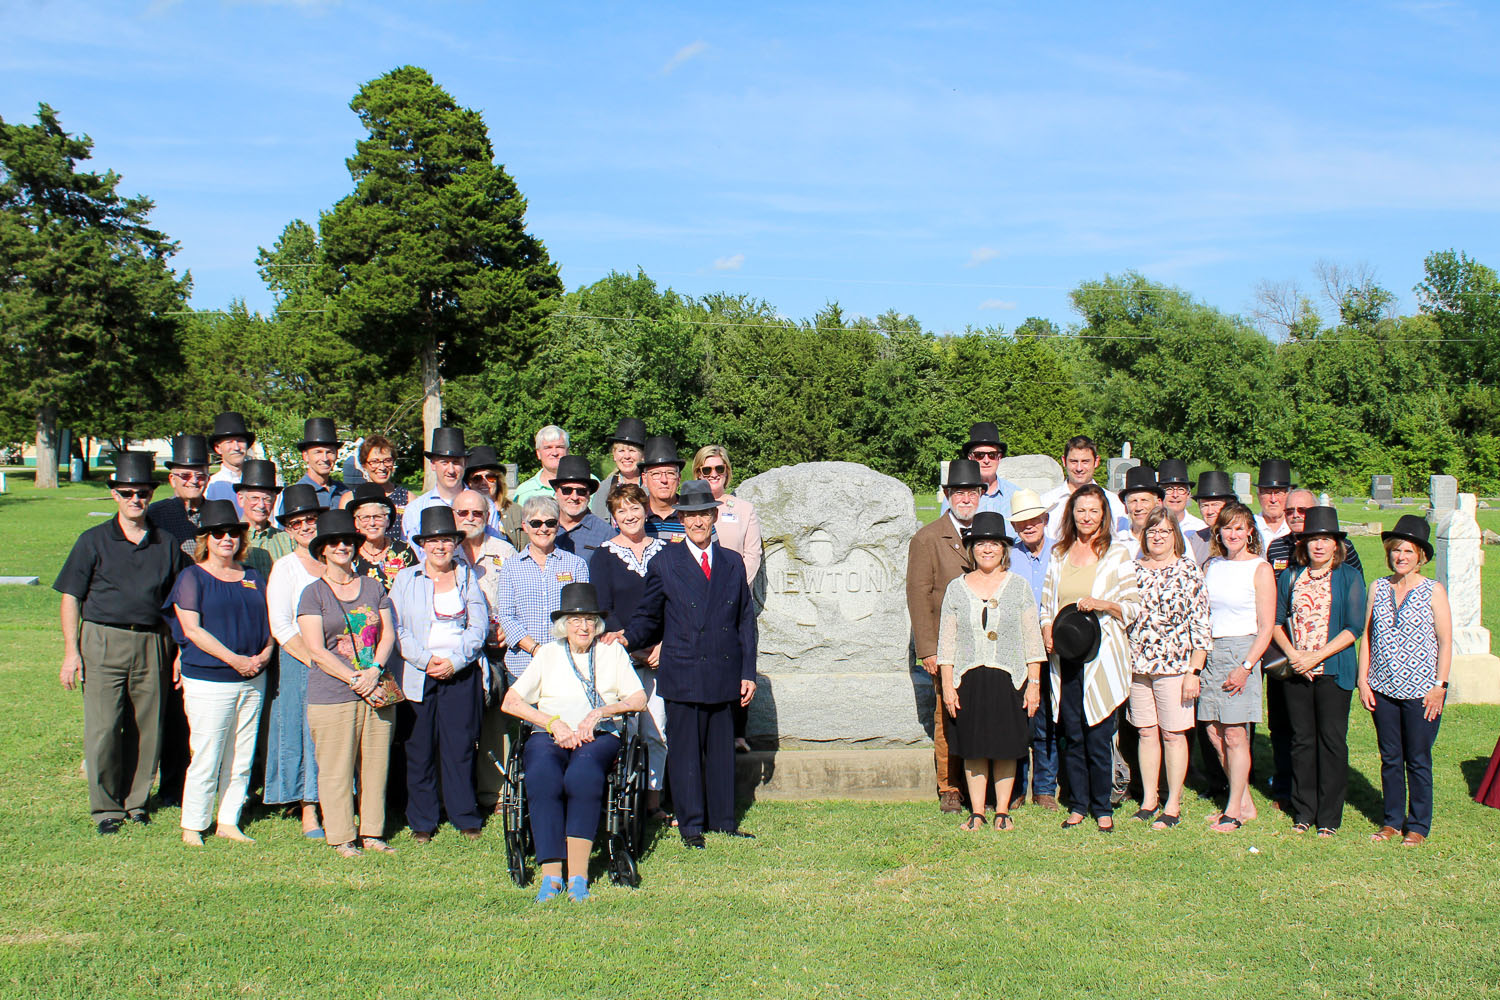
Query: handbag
[[387, 691], [1276, 665]]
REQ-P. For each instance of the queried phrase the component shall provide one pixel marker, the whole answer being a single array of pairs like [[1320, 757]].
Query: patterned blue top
[[1403, 641], [528, 594]]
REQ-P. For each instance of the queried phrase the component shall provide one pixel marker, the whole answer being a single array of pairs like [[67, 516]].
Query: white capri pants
[[223, 720]]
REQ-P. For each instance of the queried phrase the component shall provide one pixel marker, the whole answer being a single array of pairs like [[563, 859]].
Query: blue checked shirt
[[528, 594]]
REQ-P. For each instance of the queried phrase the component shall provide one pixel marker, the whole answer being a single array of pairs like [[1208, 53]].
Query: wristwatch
[[1248, 666]]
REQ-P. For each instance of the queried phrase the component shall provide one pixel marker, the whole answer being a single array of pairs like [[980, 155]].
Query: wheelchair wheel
[[633, 798], [517, 831], [622, 866]]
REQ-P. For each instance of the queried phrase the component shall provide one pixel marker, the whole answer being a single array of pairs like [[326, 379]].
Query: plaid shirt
[[528, 594]]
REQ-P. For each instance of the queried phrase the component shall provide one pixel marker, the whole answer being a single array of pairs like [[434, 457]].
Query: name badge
[[565, 578], [1279, 565], [725, 515], [248, 584]]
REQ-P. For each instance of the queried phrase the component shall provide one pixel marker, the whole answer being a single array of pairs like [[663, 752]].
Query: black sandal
[[1166, 821], [1004, 822], [1102, 827], [968, 825], [1144, 814], [1230, 822]]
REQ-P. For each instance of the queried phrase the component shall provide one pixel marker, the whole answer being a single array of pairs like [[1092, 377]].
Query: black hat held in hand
[[1076, 635]]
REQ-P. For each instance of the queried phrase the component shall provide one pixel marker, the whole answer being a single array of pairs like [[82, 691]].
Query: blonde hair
[[200, 548], [711, 451]]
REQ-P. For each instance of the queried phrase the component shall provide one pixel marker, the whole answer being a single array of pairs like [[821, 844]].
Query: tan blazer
[[934, 558]]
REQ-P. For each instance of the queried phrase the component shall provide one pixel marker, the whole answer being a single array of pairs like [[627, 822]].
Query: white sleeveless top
[[1231, 596]]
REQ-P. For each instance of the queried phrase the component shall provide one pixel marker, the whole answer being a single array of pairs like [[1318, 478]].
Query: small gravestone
[[1242, 487], [20, 581], [1117, 469], [1323, 500], [512, 476], [1444, 494], [1382, 488], [1032, 472], [1457, 563], [834, 653]]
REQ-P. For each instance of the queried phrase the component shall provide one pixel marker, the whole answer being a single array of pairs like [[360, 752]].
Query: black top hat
[[1215, 485], [370, 493], [1274, 472], [987, 526], [984, 432], [963, 473], [695, 495], [133, 468], [298, 498], [216, 515], [574, 469], [333, 525], [1411, 528], [437, 522], [1076, 635], [257, 474], [1141, 479], [1172, 472], [230, 424], [447, 442], [1321, 521], [482, 456], [630, 430], [578, 599], [188, 451], [319, 431], [661, 451]]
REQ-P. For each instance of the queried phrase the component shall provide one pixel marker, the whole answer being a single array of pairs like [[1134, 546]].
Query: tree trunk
[[432, 404], [46, 448]]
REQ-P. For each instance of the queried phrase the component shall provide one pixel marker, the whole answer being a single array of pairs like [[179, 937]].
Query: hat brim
[[1160, 493], [1302, 535], [1401, 536], [1215, 496], [204, 529], [970, 541], [457, 536], [304, 445], [214, 439], [112, 483], [186, 465], [318, 544], [390, 508], [1096, 633], [1026, 514], [446, 454], [593, 486], [680, 463], [241, 487], [965, 486], [287, 515], [695, 508], [565, 612], [619, 440], [1272, 486]]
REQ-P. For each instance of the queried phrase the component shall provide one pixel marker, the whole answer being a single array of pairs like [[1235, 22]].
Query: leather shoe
[[1412, 839], [1017, 802], [949, 802], [1045, 801], [422, 838], [472, 833], [694, 841], [139, 816], [109, 826]]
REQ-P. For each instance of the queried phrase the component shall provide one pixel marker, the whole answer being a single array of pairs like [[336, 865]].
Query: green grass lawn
[[833, 900]]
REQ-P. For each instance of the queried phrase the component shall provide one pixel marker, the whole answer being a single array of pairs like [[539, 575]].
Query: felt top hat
[[630, 430], [661, 451], [188, 451], [578, 599], [370, 493], [574, 469], [230, 424], [219, 515], [298, 498], [1411, 528], [332, 526], [695, 495], [1274, 472], [257, 474], [987, 526], [319, 432], [1172, 472], [1076, 635], [447, 442], [1215, 485], [963, 473], [437, 522], [133, 468], [482, 456], [984, 432], [1321, 521], [1141, 479]]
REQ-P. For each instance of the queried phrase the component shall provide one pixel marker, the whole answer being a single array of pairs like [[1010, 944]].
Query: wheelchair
[[623, 819]]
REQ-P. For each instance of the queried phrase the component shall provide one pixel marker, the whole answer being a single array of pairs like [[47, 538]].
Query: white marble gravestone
[[1458, 559]]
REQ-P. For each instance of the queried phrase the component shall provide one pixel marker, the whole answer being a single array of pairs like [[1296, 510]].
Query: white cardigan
[[1106, 678], [283, 592]]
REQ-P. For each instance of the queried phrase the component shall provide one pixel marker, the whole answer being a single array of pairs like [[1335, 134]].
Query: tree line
[[421, 298]]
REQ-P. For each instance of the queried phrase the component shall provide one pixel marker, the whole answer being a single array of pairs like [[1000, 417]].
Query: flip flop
[[1003, 822], [969, 825], [1144, 814], [1166, 821], [1226, 824]]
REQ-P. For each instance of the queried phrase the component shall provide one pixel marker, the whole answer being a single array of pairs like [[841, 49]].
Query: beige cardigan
[[739, 529], [1106, 678]]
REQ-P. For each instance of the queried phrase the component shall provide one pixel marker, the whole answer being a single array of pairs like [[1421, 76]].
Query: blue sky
[[965, 164]]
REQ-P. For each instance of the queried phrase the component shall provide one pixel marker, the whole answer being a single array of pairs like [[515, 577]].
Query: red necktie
[[706, 573]]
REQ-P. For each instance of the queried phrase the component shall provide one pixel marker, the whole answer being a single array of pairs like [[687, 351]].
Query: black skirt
[[992, 723]]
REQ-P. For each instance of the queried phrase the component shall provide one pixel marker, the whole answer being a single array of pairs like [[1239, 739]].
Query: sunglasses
[[573, 491], [488, 477], [468, 512], [302, 521], [223, 533], [1297, 511], [134, 494], [714, 470], [537, 522], [189, 477], [984, 456]]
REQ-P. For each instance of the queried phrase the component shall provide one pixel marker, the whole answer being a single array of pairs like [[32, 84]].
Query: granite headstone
[[1382, 488], [1117, 468], [1444, 494], [1242, 487]]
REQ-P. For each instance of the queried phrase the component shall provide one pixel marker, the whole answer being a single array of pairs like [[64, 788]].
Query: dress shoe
[[110, 826], [422, 838], [139, 816], [1413, 839], [1017, 802], [694, 841], [473, 833], [949, 802], [1045, 801]]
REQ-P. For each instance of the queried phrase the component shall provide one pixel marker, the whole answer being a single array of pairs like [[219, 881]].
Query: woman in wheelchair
[[571, 693]]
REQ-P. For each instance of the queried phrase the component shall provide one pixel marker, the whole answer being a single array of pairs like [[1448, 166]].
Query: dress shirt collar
[[698, 553]]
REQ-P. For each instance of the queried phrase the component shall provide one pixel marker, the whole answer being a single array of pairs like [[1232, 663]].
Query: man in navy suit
[[697, 605]]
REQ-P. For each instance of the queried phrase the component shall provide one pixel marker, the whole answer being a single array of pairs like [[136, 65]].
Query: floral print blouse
[[1174, 618]]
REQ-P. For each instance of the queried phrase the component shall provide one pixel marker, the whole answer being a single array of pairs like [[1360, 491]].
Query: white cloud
[[689, 51], [730, 263], [980, 255], [996, 304]]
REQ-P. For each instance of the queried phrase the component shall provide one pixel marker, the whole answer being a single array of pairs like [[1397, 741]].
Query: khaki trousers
[[123, 677], [950, 769], [348, 736]]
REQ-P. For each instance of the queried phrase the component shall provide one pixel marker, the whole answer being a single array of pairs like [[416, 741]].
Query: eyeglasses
[[573, 491], [133, 494], [468, 512], [984, 455], [339, 543], [222, 533], [537, 522], [188, 476], [714, 470], [370, 518], [968, 492], [1159, 533], [248, 499], [661, 474], [1297, 511], [1175, 490], [381, 463], [302, 521]]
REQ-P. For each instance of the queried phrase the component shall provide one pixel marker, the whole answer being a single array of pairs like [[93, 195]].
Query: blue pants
[[565, 790], [1043, 747], [1088, 751], [1405, 739], [700, 765], [440, 753]]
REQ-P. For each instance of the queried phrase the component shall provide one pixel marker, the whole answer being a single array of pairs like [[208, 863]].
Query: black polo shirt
[[1279, 554], [120, 583], [171, 515]]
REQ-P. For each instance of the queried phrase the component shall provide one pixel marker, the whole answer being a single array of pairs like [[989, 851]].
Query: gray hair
[[560, 627], [484, 500], [539, 504], [551, 433]]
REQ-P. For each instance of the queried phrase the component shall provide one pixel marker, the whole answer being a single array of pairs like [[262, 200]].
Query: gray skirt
[[1214, 703]]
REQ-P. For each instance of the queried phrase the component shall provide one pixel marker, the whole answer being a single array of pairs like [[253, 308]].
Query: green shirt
[[266, 546], [530, 488]]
